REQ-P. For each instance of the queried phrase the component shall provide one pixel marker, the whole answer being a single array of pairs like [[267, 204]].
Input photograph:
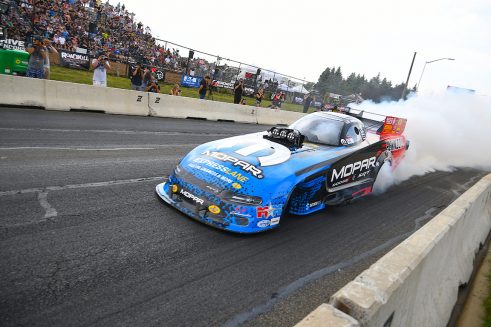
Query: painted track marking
[[76, 186]]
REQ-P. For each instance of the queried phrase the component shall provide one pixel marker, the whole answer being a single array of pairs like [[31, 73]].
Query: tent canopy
[[293, 89]]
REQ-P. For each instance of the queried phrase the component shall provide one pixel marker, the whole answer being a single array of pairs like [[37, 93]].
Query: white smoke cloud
[[446, 131]]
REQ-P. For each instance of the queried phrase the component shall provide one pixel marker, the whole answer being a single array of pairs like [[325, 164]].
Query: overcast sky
[[302, 38]]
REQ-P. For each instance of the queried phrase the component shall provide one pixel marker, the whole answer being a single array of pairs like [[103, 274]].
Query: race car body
[[246, 183]]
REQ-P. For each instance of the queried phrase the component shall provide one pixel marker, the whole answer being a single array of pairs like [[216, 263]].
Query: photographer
[[37, 58], [153, 86], [137, 78], [238, 89], [100, 66], [203, 86], [49, 49], [259, 96]]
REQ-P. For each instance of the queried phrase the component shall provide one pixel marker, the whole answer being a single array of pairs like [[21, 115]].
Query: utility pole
[[408, 76]]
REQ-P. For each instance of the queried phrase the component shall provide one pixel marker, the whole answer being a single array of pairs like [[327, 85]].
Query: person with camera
[[49, 49], [137, 78], [153, 86], [259, 96], [100, 66], [238, 89], [203, 86], [37, 58]]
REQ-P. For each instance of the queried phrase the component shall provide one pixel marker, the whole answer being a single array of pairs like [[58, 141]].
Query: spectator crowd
[[88, 25], [109, 32]]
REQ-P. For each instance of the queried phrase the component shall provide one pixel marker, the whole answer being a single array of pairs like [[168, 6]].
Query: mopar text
[[244, 165], [191, 196], [353, 168]]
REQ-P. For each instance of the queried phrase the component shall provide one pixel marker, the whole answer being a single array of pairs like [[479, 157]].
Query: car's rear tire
[[384, 178]]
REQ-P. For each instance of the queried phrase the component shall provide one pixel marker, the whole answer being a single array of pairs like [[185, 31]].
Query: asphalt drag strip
[[84, 240]]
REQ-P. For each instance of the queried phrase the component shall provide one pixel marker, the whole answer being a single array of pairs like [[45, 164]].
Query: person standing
[[100, 65], [49, 49], [259, 96], [307, 100], [147, 78], [238, 89], [37, 58], [137, 78], [203, 86]]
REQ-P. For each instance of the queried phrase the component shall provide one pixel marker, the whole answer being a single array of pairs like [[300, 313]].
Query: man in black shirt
[[307, 99], [238, 89], [137, 78], [203, 86]]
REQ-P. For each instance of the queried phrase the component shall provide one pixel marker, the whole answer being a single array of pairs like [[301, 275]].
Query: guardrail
[[55, 95], [417, 283]]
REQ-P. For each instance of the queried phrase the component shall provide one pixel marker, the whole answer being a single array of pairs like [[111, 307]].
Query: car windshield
[[319, 129]]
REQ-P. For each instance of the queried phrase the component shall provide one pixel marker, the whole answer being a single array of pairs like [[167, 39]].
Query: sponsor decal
[[263, 223], [214, 189], [241, 212], [347, 141], [214, 209], [313, 204], [265, 212], [275, 221], [341, 182], [238, 176], [244, 165], [353, 168], [236, 186], [395, 144], [393, 125], [191, 196], [363, 134]]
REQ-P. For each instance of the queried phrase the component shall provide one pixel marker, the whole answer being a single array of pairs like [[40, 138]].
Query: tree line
[[376, 89]]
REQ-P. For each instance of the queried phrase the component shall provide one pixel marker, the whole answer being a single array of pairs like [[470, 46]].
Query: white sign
[[12, 44]]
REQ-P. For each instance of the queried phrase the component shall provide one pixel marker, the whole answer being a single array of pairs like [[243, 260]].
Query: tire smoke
[[446, 131]]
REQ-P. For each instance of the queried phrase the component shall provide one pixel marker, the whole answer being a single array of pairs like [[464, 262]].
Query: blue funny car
[[246, 183]]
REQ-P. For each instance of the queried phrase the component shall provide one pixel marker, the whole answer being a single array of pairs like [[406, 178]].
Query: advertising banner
[[74, 60], [190, 81], [11, 44]]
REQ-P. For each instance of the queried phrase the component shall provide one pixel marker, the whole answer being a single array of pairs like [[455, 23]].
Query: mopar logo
[[352, 168], [191, 196], [244, 165]]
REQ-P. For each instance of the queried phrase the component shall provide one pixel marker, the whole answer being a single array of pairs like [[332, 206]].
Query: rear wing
[[393, 126], [377, 123]]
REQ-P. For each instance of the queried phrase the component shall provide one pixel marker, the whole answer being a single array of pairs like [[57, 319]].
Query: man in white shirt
[[100, 65]]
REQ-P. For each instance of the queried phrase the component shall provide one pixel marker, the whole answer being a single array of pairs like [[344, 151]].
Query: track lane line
[[77, 186], [155, 147], [61, 130]]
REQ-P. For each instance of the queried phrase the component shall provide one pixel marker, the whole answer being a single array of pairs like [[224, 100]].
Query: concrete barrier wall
[[55, 95], [66, 96], [22, 91], [268, 116], [163, 105], [416, 284]]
